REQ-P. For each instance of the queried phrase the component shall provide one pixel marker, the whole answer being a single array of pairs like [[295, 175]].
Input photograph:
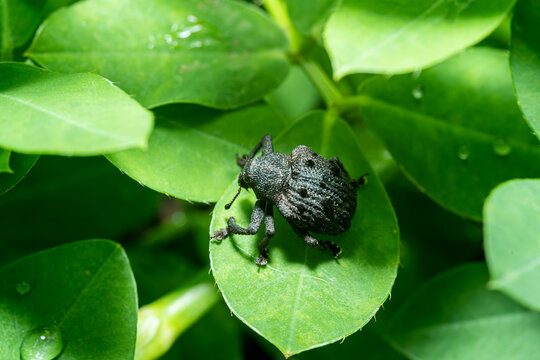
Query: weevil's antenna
[[228, 206]]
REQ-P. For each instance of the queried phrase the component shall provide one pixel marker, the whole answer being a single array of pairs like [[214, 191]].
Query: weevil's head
[[266, 175], [243, 178]]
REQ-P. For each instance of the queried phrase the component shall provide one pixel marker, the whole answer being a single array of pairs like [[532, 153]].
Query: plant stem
[[279, 12], [162, 321], [328, 90]]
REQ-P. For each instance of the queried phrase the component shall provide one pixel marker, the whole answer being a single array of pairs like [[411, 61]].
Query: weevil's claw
[[219, 235], [336, 250], [263, 258], [241, 160]]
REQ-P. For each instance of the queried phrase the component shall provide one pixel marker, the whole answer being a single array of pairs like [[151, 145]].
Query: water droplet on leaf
[[463, 152], [418, 92], [23, 287], [416, 74], [42, 343], [501, 148]]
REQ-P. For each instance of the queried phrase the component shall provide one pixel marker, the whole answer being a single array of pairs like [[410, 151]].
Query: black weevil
[[311, 192]]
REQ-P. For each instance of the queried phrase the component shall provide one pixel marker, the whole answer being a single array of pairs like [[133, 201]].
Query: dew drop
[[183, 34], [168, 38], [192, 18], [195, 44], [42, 343], [416, 74], [501, 148], [23, 287], [463, 152], [418, 92]]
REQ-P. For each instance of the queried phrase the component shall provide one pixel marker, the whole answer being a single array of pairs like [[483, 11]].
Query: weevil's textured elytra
[[312, 193]]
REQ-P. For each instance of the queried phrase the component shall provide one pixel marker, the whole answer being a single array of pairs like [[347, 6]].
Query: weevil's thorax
[[266, 175]]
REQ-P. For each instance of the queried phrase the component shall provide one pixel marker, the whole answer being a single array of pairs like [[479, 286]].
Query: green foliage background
[[120, 120]]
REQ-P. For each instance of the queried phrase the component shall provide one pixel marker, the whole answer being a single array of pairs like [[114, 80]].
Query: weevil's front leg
[[269, 232], [257, 217], [322, 245], [266, 144], [233, 228]]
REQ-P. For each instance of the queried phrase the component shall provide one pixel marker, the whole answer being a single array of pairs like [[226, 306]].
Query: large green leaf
[[512, 240], [304, 298], [309, 16], [67, 114], [455, 129], [219, 53], [525, 59], [80, 296], [398, 36], [191, 153], [18, 21], [66, 199], [455, 316], [19, 165], [4, 161]]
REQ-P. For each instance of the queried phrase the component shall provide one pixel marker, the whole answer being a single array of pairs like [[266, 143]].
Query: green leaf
[[83, 292], [67, 114], [512, 240], [18, 21], [398, 36], [73, 198], [20, 165], [455, 316], [219, 53], [455, 129], [191, 152], [525, 59], [295, 96], [4, 161], [309, 16], [304, 298]]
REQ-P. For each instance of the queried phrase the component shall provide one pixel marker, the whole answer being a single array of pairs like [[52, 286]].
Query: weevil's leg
[[257, 217], [269, 232], [322, 245], [361, 180], [265, 143], [241, 160]]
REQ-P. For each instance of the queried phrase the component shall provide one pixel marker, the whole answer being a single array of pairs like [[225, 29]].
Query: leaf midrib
[[67, 119], [396, 34]]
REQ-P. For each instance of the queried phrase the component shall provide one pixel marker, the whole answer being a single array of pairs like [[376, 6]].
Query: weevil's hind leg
[[319, 244], [257, 217], [361, 180], [269, 232]]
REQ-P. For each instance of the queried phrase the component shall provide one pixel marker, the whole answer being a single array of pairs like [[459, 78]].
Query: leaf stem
[[278, 10], [162, 321], [327, 88]]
